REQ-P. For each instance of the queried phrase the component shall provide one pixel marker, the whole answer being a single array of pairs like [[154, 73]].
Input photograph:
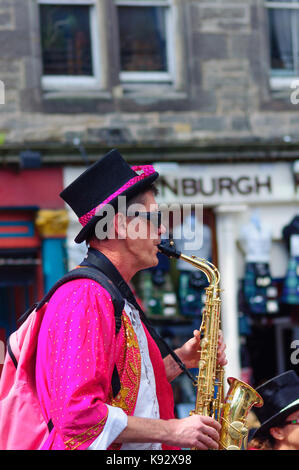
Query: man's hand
[[189, 353], [196, 431]]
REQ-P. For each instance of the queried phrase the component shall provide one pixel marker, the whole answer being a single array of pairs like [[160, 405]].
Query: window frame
[[153, 77], [277, 81], [75, 82]]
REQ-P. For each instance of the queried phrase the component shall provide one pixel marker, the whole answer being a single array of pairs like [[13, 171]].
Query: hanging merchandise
[[151, 304], [163, 286], [243, 319], [151, 294], [246, 369], [192, 282], [290, 292], [157, 292], [169, 298], [260, 293]]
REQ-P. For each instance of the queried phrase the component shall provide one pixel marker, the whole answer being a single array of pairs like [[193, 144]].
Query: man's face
[[143, 235], [287, 435], [290, 432]]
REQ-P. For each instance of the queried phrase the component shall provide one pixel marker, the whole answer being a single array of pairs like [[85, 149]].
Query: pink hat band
[[143, 170]]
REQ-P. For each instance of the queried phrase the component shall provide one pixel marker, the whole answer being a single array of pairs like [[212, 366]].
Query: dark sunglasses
[[154, 217], [293, 421]]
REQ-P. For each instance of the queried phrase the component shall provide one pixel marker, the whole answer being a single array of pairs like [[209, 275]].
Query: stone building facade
[[220, 102]]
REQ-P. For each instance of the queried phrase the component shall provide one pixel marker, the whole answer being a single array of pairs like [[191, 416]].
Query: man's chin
[[154, 261]]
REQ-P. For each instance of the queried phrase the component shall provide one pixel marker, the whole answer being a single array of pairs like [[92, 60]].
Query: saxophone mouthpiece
[[167, 247]]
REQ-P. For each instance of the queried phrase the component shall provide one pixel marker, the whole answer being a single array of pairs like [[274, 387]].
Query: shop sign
[[227, 183]]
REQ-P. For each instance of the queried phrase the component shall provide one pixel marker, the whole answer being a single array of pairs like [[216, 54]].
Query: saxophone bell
[[239, 400]]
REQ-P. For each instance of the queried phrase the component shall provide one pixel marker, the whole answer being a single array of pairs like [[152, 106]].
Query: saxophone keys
[[237, 429]]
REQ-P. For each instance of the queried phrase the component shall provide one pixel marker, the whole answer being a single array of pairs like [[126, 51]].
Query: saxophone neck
[[205, 266], [168, 248]]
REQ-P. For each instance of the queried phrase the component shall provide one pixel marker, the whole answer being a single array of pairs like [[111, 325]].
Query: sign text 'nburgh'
[[224, 185]]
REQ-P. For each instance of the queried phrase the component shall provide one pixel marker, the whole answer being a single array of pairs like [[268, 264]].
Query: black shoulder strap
[[88, 272]]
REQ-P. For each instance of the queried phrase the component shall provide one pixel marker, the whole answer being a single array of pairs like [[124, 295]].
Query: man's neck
[[284, 446], [118, 260]]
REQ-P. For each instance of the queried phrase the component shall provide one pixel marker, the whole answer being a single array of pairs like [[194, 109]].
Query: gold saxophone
[[230, 411]]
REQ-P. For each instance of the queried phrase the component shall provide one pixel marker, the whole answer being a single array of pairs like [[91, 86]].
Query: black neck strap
[[99, 260]]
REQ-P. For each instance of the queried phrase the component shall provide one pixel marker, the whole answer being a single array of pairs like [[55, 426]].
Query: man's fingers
[[207, 420], [196, 335], [198, 431], [209, 433], [221, 350], [208, 442]]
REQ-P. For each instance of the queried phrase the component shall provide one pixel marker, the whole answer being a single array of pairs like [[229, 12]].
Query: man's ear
[[277, 433]]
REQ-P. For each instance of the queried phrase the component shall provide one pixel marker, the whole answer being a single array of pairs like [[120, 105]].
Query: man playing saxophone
[[75, 389]]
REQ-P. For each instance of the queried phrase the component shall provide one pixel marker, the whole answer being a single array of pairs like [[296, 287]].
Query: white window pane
[[66, 40], [143, 39]]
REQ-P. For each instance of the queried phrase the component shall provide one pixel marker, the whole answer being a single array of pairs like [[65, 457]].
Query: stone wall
[[223, 93]]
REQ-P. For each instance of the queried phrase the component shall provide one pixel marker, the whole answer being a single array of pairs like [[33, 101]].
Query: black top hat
[[102, 183], [281, 398]]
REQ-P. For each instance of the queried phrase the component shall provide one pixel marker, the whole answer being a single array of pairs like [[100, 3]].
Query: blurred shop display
[[268, 307], [192, 282], [290, 293], [157, 291], [260, 293], [176, 288]]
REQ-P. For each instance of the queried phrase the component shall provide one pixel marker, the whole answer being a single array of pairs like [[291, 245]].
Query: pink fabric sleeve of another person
[[75, 360]]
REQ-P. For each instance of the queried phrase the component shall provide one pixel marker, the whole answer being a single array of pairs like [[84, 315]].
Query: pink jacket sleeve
[[75, 360]]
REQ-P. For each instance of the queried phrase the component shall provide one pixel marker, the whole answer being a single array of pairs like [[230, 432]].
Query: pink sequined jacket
[[77, 351]]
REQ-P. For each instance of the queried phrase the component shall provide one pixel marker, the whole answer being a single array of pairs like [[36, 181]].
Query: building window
[[70, 57], [146, 40], [66, 41], [283, 17]]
